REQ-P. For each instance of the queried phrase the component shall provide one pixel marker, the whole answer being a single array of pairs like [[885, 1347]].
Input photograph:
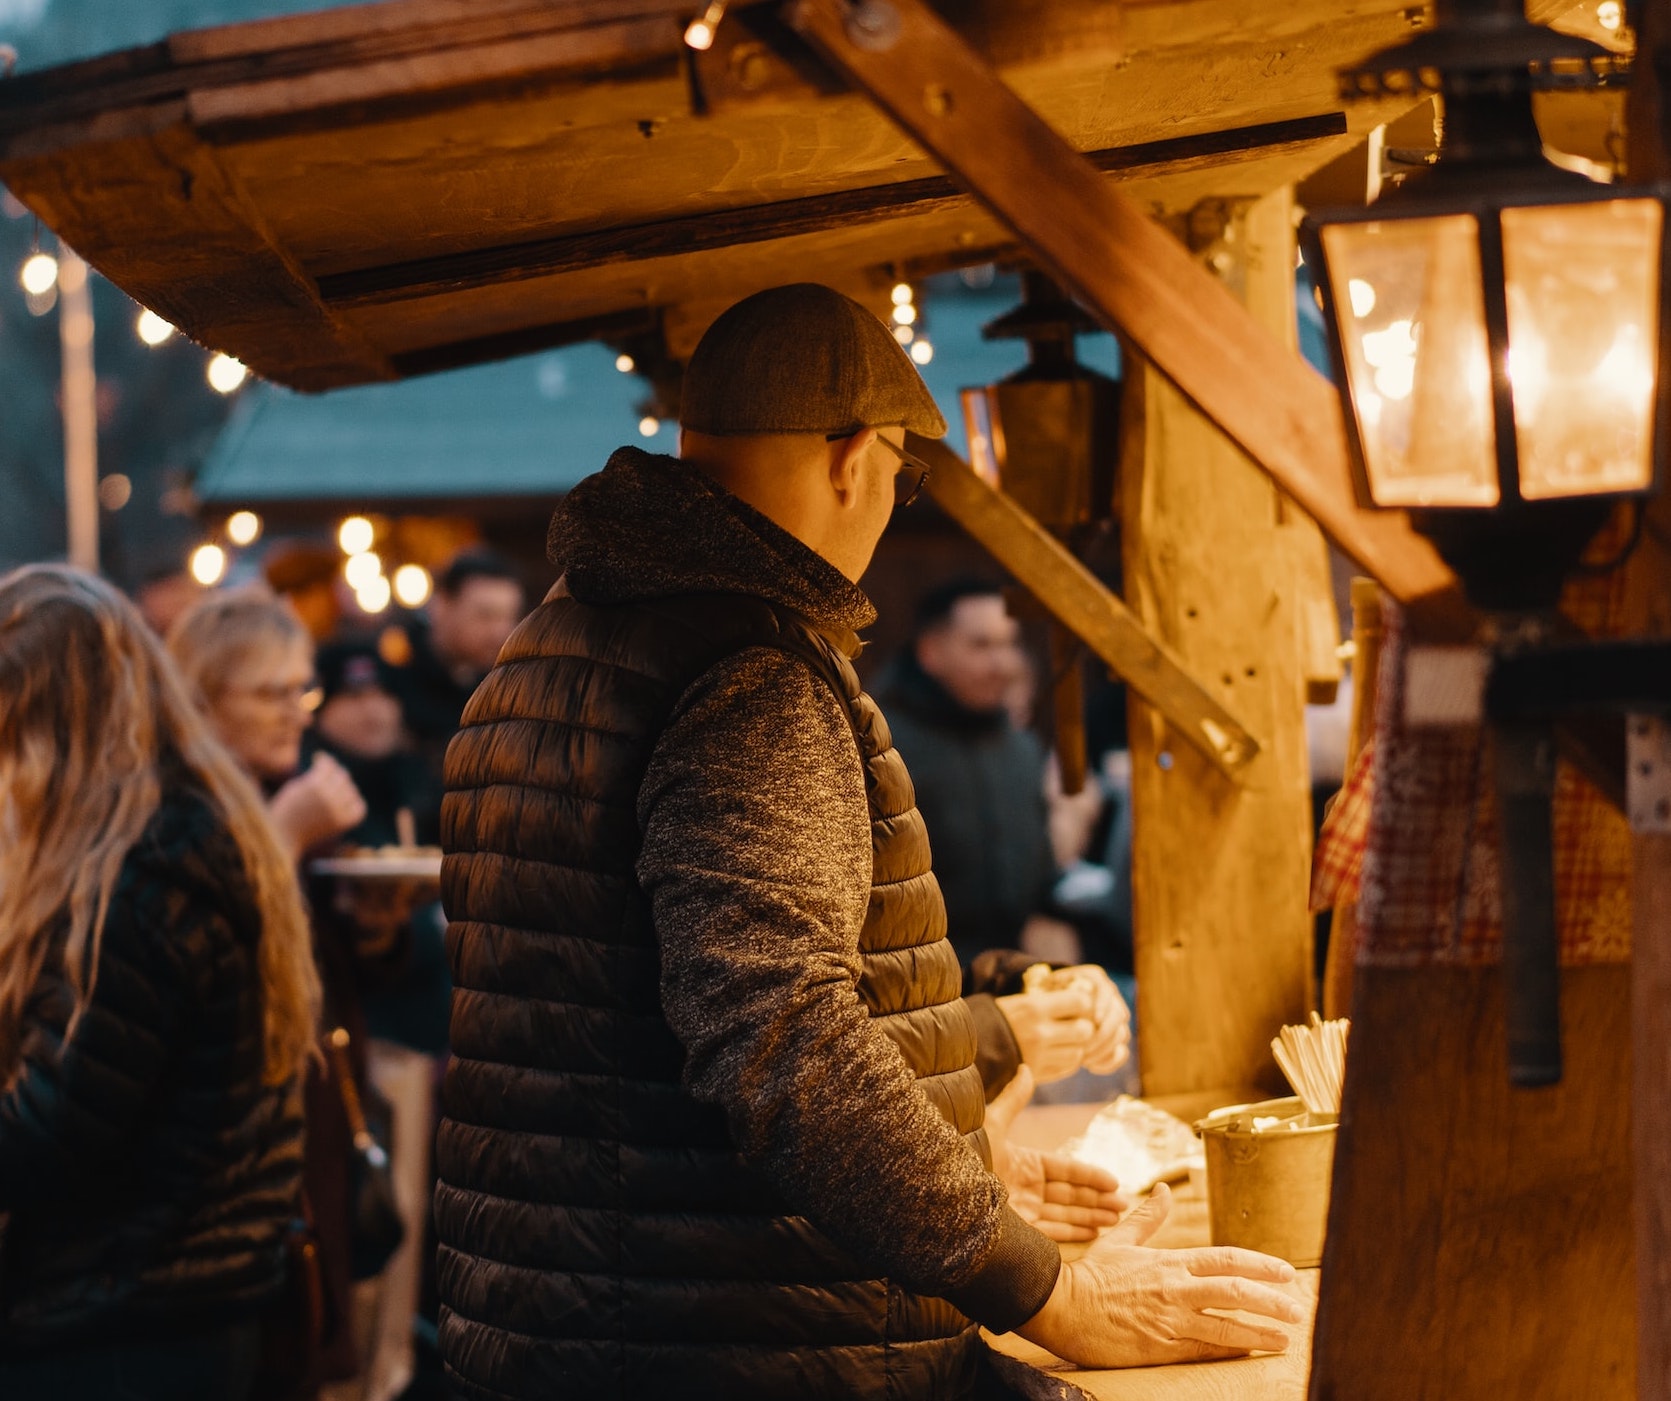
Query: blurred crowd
[[214, 754]]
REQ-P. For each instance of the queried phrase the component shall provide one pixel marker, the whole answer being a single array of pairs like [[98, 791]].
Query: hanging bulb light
[[922, 351], [226, 374], [243, 528], [413, 585], [39, 274], [208, 565], [699, 34], [355, 535], [151, 328]]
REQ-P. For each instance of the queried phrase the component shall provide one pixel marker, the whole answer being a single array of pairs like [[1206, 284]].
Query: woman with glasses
[[158, 1001], [250, 662], [249, 659]]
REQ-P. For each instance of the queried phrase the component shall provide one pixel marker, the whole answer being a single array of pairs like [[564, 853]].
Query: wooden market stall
[[382, 191]]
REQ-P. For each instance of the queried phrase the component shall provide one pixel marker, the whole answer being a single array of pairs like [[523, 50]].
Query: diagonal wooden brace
[[1079, 601], [1131, 273]]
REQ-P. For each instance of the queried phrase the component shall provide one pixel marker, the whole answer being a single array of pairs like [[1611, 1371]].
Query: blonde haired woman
[[157, 1003], [248, 660]]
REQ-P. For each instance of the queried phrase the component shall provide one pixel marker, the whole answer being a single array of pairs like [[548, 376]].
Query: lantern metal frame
[[1485, 61]]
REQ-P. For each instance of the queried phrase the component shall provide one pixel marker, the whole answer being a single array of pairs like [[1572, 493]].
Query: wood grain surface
[[1480, 1236]]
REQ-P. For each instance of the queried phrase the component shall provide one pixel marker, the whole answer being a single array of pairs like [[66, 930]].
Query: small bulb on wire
[[700, 33], [905, 315], [413, 585], [226, 374], [152, 329], [649, 426], [923, 351], [625, 364], [208, 564], [355, 535], [243, 528], [902, 293], [39, 274], [904, 335]]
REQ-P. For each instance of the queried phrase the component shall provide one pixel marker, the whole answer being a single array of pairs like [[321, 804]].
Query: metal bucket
[[1268, 1190]]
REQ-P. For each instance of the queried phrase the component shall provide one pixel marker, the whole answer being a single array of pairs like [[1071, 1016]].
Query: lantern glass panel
[[1410, 304], [1583, 320]]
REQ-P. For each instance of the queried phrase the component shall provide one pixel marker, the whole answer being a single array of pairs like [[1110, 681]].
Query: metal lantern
[[1048, 435], [1495, 321], [1497, 334]]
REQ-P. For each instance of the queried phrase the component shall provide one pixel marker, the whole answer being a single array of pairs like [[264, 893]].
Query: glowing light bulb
[[39, 274], [374, 597], [923, 351], [904, 335], [1610, 14], [699, 34], [413, 585], [226, 374], [625, 364], [361, 569], [208, 565], [1362, 296], [152, 329], [649, 426], [243, 528], [355, 535], [1394, 342], [905, 315], [902, 293]]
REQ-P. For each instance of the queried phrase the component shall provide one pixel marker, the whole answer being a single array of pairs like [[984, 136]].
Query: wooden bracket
[[1081, 603], [1130, 273]]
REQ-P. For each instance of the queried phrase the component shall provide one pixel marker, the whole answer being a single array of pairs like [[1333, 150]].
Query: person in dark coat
[[979, 780], [157, 1004], [478, 599], [713, 1124]]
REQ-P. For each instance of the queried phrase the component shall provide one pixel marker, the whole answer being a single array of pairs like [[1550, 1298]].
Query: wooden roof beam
[[760, 223], [1131, 273], [1078, 600]]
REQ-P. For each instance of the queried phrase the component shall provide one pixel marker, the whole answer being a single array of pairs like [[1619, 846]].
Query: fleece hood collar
[[649, 526]]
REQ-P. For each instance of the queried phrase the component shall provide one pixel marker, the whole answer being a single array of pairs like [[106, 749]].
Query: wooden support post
[[1041, 564], [1128, 271], [1219, 876]]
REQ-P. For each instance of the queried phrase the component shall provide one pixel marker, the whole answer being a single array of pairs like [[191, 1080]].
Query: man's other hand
[[1126, 1304], [1068, 1018], [1065, 1199]]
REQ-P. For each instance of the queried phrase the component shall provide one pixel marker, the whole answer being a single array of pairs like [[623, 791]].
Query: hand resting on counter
[[1126, 1304]]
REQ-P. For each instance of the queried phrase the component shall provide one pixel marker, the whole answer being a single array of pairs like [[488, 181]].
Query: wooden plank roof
[[372, 192]]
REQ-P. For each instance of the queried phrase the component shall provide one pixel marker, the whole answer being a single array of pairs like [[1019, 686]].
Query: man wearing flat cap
[[714, 1127]]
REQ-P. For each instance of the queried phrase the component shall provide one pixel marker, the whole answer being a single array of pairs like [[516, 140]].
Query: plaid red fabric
[[1413, 836], [1337, 861]]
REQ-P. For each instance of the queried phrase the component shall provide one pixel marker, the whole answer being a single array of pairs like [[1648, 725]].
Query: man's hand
[[1069, 1017], [1065, 1199], [317, 805], [1125, 1304]]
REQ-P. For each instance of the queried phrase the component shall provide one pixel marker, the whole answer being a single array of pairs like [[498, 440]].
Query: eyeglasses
[[908, 485], [303, 694]]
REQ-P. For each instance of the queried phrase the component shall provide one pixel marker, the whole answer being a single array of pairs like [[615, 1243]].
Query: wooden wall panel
[[1479, 1236]]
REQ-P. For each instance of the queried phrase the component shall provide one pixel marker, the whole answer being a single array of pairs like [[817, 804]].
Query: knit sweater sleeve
[[757, 860]]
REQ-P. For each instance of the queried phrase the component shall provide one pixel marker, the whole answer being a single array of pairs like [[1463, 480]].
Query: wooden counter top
[[1266, 1377]]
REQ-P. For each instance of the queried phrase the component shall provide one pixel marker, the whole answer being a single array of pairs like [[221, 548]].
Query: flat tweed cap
[[803, 359]]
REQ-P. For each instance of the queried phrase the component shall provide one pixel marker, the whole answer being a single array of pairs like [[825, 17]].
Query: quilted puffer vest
[[599, 1234]]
